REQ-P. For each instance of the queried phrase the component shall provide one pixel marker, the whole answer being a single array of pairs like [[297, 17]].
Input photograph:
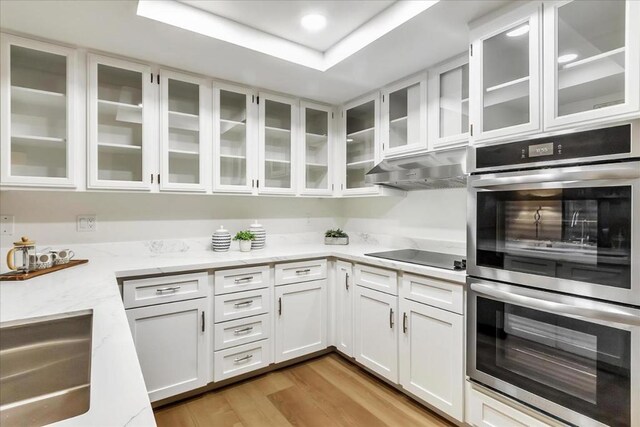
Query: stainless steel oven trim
[[547, 302], [606, 175], [634, 153]]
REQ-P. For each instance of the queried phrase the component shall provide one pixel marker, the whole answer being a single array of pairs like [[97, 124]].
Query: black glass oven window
[[580, 365], [581, 234]]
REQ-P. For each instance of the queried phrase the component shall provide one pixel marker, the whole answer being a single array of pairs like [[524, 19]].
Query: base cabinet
[[172, 341], [344, 308], [301, 319], [376, 332], [431, 356]]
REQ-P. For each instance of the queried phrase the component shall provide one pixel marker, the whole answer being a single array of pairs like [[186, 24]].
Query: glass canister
[[24, 249]]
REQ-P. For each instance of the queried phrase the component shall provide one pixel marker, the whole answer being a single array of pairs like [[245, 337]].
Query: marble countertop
[[118, 393]]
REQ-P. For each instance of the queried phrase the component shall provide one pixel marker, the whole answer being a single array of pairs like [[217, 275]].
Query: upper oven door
[[571, 229]]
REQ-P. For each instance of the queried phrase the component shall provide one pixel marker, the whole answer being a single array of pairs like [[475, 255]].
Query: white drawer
[[160, 290], [436, 292], [303, 271], [378, 279], [242, 304], [240, 360], [241, 331], [241, 279]]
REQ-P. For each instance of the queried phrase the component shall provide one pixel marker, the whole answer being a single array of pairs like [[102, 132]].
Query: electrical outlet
[[87, 223], [6, 225]]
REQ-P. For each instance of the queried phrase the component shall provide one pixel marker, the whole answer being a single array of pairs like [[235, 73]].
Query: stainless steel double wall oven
[[554, 273]]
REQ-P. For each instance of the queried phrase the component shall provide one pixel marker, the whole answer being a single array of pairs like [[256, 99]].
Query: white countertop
[[118, 393]]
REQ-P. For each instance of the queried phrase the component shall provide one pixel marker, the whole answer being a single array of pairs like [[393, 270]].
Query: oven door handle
[[617, 171], [558, 304]]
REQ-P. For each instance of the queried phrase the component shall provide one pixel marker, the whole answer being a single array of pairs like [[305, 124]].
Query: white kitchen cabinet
[[404, 116], [359, 144], [344, 307], [235, 132], [431, 356], [122, 124], [278, 122], [38, 114], [448, 105], [185, 120], [376, 332], [316, 140], [591, 61], [173, 343], [505, 71], [300, 319]]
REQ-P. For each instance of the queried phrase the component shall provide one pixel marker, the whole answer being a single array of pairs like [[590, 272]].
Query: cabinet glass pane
[[404, 116], [360, 143], [184, 132], [316, 149], [454, 101], [38, 113], [233, 138], [277, 144], [505, 89], [591, 50], [119, 124]]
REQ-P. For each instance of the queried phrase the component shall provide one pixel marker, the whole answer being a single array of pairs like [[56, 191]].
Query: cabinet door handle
[[306, 270], [243, 330], [242, 359], [203, 322], [243, 279], [346, 281], [279, 306], [243, 304], [169, 289], [404, 323], [391, 318]]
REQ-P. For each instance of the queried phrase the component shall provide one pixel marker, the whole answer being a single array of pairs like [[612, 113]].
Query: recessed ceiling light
[[567, 57], [313, 22], [524, 29]]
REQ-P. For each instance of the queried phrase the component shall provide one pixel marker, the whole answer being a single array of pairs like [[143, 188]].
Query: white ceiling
[[436, 34], [282, 18]]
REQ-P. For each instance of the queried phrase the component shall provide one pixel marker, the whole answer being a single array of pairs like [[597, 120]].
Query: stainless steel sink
[[45, 369]]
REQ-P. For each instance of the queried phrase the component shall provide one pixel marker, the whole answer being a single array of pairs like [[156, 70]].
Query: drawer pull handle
[[243, 279], [243, 304], [170, 289], [346, 281], [243, 330], [242, 359], [404, 323], [306, 270], [391, 318]]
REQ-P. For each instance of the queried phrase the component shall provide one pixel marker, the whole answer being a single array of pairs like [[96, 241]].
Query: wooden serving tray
[[15, 275]]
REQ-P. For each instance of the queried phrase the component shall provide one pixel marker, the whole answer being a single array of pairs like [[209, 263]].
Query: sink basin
[[45, 369]]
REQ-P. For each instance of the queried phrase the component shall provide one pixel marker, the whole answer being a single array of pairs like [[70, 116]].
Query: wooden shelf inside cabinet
[[399, 120], [121, 111], [360, 132], [118, 148], [40, 141], [232, 156], [592, 69], [184, 121], [314, 139], [505, 92], [38, 97], [184, 153], [277, 161], [231, 129], [359, 164], [316, 165]]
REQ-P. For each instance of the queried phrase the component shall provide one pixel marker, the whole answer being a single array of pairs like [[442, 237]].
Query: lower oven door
[[574, 358]]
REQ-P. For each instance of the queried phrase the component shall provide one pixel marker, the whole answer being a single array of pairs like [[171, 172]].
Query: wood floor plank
[[300, 409], [213, 409], [253, 412], [272, 382], [174, 416]]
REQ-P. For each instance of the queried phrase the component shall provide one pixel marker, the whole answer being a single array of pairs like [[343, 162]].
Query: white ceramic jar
[[261, 235], [221, 240]]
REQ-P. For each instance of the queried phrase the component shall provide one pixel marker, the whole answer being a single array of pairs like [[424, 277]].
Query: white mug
[[62, 256], [40, 261]]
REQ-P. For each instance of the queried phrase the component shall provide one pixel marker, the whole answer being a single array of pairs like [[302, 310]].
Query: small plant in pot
[[336, 237], [244, 238]]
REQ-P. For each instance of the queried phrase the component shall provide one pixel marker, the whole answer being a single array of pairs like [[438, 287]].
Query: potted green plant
[[244, 238], [336, 237]]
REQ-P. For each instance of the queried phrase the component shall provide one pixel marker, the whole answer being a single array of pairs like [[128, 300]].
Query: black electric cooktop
[[431, 259]]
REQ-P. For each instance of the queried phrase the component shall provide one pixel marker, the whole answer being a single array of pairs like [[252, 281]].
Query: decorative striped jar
[[221, 240], [261, 235]]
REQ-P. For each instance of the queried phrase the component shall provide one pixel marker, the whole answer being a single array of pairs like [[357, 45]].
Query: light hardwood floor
[[327, 391]]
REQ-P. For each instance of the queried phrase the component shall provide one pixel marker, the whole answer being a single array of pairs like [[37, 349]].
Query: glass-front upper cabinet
[[184, 108], [121, 124], [448, 89], [37, 113], [591, 60], [278, 119], [404, 116], [234, 116], [316, 124], [361, 144], [505, 74]]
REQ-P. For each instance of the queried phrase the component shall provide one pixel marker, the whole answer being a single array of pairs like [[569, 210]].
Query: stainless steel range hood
[[440, 169]]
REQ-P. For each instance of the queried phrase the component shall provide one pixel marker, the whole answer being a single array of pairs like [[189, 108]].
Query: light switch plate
[[86, 223], [6, 225]]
